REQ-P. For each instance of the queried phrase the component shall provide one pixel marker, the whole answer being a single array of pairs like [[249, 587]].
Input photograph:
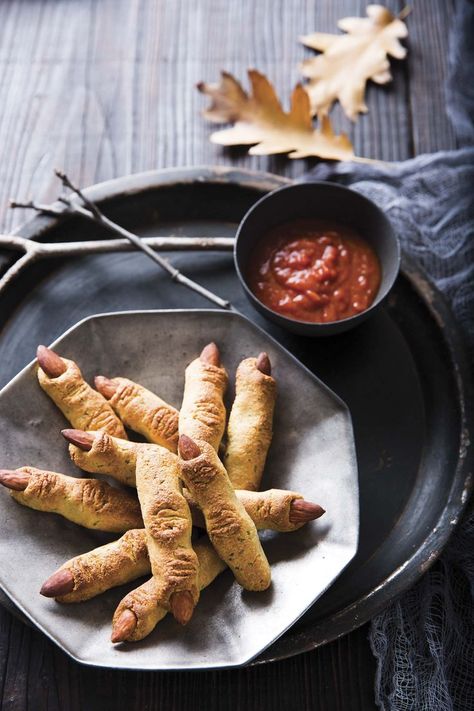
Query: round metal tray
[[403, 373]]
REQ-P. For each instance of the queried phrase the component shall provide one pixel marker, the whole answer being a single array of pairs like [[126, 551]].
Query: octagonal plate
[[312, 452]]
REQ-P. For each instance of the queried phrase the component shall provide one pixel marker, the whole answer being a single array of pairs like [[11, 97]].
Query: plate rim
[[350, 548]]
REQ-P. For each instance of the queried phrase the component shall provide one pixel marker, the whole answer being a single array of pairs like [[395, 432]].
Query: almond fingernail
[[182, 606], [60, 583], [302, 511], [188, 449], [81, 439], [210, 354], [13, 479], [123, 627], [49, 361], [105, 386], [263, 364]]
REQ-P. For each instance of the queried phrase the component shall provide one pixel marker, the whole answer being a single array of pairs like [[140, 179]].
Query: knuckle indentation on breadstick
[[84, 407], [168, 528], [141, 410], [249, 430], [230, 528], [88, 502], [203, 415], [107, 455]]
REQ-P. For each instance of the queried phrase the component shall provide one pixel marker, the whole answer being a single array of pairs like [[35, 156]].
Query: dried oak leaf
[[348, 61], [261, 122]]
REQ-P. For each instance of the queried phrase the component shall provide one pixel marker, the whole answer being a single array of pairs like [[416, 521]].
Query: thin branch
[[68, 184], [48, 210], [95, 215]]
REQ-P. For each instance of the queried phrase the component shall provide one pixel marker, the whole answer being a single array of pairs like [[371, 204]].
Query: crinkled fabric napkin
[[424, 642]]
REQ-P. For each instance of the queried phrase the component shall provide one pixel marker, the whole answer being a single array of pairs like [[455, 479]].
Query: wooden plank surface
[[103, 88]]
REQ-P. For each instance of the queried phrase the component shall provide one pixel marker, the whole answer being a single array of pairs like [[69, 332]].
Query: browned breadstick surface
[[202, 416], [142, 602], [126, 559], [141, 410], [168, 525], [96, 571], [230, 528], [107, 455], [249, 431], [84, 407], [88, 502]]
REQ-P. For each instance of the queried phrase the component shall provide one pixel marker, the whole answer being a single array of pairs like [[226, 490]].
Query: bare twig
[[88, 203], [91, 212]]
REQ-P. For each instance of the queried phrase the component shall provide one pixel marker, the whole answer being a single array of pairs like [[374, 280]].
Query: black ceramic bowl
[[319, 200]]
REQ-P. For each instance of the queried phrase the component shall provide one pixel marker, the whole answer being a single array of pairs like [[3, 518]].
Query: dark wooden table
[[103, 88]]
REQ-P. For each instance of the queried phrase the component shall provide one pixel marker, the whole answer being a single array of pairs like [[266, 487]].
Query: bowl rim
[[381, 294]]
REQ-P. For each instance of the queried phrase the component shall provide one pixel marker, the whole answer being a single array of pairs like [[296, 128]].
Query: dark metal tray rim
[[297, 641]]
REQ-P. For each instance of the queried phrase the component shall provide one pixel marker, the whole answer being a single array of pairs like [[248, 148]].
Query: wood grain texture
[[36, 676], [102, 88], [107, 87]]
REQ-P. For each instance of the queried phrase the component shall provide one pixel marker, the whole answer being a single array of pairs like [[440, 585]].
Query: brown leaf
[[348, 61], [261, 122]]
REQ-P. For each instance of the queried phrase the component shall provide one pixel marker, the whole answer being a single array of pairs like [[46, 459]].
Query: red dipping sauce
[[314, 270]]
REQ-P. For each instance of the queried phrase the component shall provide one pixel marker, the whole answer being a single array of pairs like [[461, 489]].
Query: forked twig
[[90, 211]]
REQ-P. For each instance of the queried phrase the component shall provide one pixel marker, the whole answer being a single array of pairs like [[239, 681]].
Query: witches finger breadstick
[[230, 528], [88, 502], [96, 571], [99, 453], [141, 410], [168, 527], [83, 406], [249, 430], [137, 614], [275, 509], [202, 415], [126, 559]]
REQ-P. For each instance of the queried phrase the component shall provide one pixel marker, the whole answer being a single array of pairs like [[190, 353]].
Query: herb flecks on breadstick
[[230, 528], [126, 559], [274, 509], [99, 453], [202, 416], [168, 527], [96, 571], [88, 502], [136, 616], [249, 431], [141, 410], [83, 406]]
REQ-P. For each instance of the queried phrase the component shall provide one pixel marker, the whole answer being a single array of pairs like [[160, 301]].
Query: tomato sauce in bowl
[[314, 270]]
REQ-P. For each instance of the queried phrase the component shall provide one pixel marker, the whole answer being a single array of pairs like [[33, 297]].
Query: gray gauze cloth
[[424, 642]]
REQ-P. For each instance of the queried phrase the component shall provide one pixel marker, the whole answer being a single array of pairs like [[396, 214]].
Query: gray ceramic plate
[[312, 452]]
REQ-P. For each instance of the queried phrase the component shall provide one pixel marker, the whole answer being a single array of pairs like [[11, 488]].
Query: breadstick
[[249, 431], [168, 529], [96, 571], [138, 614], [230, 528], [141, 410], [88, 502], [83, 406], [99, 453], [202, 415], [274, 509], [126, 559]]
